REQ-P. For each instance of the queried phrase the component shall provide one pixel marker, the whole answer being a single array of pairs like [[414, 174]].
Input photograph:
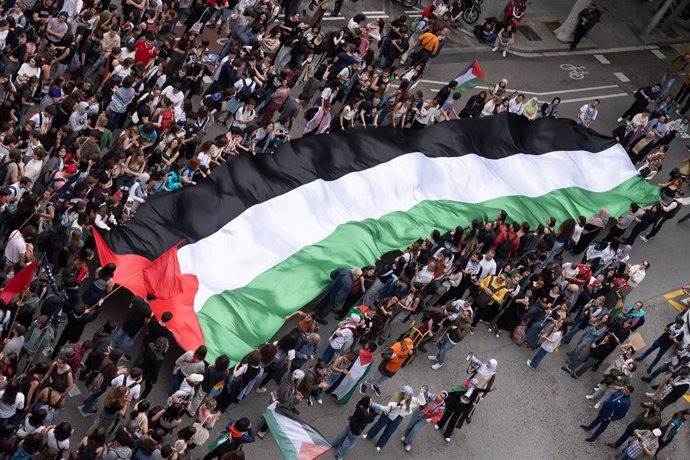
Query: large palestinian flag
[[261, 235]]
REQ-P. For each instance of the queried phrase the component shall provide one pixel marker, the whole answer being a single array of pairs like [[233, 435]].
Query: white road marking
[[601, 59], [606, 96], [342, 18], [658, 54], [621, 76], [373, 12], [547, 93], [623, 49]]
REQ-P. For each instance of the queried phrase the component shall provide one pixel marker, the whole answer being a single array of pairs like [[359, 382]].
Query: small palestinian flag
[[470, 77], [296, 439], [346, 385], [262, 233]]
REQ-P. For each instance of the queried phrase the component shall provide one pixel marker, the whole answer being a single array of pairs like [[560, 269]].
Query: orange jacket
[[399, 356], [429, 42]]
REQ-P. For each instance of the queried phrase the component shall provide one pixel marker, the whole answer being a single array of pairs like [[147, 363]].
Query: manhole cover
[[529, 33]]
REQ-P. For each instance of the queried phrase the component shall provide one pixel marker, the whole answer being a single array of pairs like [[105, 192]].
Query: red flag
[[19, 283], [163, 277]]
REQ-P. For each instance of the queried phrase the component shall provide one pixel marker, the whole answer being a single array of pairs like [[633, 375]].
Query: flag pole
[[16, 313], [119, 286]]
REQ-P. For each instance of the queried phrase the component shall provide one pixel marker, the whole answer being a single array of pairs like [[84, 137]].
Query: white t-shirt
[[204, 158], [15, 247], [460, 305], [587, 115], [338, 341], [54, 443], [8, 410], [555, 336], [124, 380], [488, 268], [176, 99]]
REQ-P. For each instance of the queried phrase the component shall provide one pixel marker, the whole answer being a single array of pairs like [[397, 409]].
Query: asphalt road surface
[[533, 414]]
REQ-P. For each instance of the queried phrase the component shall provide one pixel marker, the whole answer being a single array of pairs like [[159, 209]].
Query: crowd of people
[[103, 105]]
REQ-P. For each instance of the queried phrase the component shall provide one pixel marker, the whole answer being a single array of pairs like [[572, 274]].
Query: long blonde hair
[[115, 394]]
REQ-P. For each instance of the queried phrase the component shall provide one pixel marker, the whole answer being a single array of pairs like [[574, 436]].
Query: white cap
[[195, 378], [493, 363], [407, 390], [656, 432], [357, 271], [298, 374]]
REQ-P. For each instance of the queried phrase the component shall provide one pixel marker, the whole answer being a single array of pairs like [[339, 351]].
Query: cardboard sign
[[637, 341]]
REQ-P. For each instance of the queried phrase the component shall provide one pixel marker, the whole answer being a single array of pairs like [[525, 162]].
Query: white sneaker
[[364, 436], [378, 449], [619, 119], [589, 396], [529, 362], [650, 394], [437, 366], [408, 448], [261, 390], [436, 427], [494, 49], [504, 53], [597, 406], [644, 238], [447, 439], [432, 358]]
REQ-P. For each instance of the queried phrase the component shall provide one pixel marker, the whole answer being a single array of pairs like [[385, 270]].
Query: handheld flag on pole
[[470, 77]]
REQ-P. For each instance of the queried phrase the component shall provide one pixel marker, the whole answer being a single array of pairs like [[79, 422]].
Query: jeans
[[121, 336], [446, 346], [555, 250], [575, 327], [328, 354], [375, 378], [538, 356], [660, 370], [655, 345], [390, 427], [637, 229], [344, 442], [417, 422], [629, 430], [666, 85], [176, 382], [603, 423], [90, 402], [624, 455]]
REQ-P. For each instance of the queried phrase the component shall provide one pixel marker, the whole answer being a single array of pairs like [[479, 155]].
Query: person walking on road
[[365, 413], [588, 113], [586, 20], [615, 408], [401, 404], [392, 361], [649, 418], [431, 412], [643, 98], [678, 67], [646, 443], [673, 334]]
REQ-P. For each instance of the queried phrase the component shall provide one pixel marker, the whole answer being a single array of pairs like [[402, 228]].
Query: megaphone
[[468, 394]]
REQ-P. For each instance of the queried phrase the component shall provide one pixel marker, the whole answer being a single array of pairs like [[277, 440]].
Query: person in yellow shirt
[[492, 291], [430, 46]]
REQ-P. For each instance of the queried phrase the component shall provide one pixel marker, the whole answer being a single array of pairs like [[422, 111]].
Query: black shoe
[[295, 411], [585, 427], [655, 387], [590, 440], [377, 390], [321, 321], [595, 368], [422, 348], [646, 379], [567, 369]]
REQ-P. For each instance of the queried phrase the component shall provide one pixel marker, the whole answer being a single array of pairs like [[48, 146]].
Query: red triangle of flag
[[309, 451], [163, 277], [19, 283]]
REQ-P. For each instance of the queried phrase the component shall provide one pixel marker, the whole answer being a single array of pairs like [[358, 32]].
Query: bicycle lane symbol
[[575, 72]]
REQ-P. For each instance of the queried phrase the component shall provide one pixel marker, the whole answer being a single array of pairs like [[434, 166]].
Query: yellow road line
[[687, 398], [676, 305], [672, 294]]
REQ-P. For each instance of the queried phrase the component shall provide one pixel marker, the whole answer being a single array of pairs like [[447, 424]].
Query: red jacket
[[510, 235], [433, 410]]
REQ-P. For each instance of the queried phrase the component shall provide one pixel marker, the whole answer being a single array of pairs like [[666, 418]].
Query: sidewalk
[[621, 26]]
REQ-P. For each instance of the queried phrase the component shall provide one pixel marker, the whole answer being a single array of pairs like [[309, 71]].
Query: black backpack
[[244, 94], [503, 249]]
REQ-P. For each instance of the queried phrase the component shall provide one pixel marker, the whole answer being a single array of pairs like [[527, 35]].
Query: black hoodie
[[364, 415]]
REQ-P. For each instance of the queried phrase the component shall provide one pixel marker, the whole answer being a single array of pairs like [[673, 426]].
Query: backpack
[[543, 108], [96, 383], [519, 333], [503, 250], [245, 93]]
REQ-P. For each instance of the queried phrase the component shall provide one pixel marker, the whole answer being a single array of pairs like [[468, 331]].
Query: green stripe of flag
[[235, 322]]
